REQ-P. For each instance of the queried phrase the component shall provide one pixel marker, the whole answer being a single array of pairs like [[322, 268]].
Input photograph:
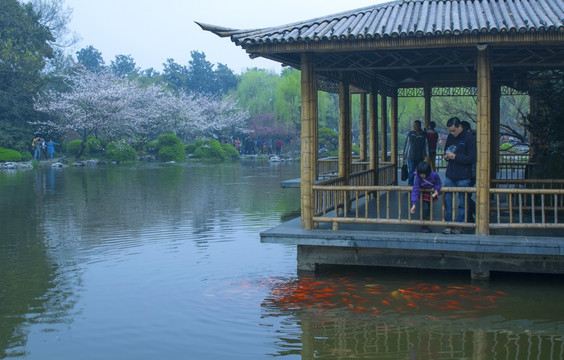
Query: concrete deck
[[404, 246]]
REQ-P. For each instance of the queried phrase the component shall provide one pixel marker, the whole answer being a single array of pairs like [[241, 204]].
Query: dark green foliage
[[94, 145], [175, 152], [201, 78], [124, 66], [171, 148], [328, 138], [168, 140], [230, 152], [90, 58], [547, 126], [190, 148], [26, 155], [13, 136], [9, 155], [24, 47], [74, 147], [225, 78], [152, 147], [210, 150], [121, 152]]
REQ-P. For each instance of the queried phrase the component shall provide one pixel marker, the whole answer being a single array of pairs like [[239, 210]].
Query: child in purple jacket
[[425, 179]]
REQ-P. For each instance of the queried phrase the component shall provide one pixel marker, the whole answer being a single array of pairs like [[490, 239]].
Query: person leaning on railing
[[460, 154], [426, 179]]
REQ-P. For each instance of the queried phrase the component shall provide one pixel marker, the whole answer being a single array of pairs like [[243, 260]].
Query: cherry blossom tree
[[216, 118], [103, 104]]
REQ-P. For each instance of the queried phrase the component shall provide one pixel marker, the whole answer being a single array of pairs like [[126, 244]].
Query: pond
[[164, 261]]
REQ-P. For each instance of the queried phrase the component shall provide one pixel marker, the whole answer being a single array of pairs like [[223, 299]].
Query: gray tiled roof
[[413, 18]]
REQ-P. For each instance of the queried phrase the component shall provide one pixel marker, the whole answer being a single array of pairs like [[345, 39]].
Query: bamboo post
[[495, 130], [394, 134], [309, 153], [374, 133], [344, 132], [363, 132], [483, 141], [427, 95], [384, 128]]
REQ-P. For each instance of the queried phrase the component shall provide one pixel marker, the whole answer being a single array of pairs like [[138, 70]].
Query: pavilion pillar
[[427, 91], [363, 132], [483, 141], [373, 128], [309, 139], [394, 134], [495, 130], [345, 133], [384, 128]]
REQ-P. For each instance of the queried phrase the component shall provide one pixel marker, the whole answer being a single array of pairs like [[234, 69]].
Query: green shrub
[[152, 147], [73, 147], [94, 145], [121, 152], [190, 148], [230, 152], [210, 150], [168, 140], [170, 148], [26, 155], [174, 152], [9, 155]]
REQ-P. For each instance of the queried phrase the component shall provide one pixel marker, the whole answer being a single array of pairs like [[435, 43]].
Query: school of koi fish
[[313, 293]]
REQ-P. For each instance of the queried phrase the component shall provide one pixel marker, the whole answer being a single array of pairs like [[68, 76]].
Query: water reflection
[[82, 248], [359, 315], [164, 261]]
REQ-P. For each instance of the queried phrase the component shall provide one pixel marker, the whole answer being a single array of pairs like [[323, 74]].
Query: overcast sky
[[153, 31]]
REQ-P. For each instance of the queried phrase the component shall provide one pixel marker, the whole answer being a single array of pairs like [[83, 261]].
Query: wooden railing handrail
[[527, 191]]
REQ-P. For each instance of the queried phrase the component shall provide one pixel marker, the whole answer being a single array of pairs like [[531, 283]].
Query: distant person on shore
[[36, 146], [51, 147], [44, 148], [278, 146], [425, 178]]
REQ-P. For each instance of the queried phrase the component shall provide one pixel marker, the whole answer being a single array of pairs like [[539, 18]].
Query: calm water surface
[[163, 261]]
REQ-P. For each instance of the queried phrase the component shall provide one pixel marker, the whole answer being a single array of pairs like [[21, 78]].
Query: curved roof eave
[[404, 19]]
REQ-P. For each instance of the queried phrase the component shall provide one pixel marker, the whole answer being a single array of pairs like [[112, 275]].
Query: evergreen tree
[[90, 58], [175, 76], [225, 78], [24, 48], [201, 77], [124, 66]]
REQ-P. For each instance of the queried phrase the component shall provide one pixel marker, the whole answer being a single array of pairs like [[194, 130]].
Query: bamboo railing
[[387, 204], [329, 167], [528, 203], [369, 197]]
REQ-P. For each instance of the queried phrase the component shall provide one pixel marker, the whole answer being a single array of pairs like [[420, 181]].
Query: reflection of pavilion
[[426, 340], [419, 48], [360, 317]]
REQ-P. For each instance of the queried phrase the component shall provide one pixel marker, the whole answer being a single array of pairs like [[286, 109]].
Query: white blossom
[[105, 105]]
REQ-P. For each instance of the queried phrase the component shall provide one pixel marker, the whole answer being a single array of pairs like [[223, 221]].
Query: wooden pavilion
[[421, 47]]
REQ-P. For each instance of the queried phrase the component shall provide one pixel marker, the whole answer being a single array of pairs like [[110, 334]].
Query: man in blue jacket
[[460, 153]]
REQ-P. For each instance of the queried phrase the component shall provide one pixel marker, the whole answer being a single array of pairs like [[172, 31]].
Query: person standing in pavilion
[[460, 154], [416, 149]]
